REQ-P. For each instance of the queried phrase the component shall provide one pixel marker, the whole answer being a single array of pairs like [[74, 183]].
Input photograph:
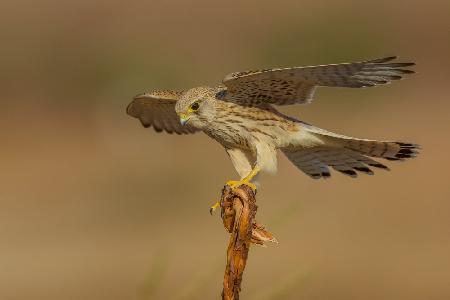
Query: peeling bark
[[238, 211]]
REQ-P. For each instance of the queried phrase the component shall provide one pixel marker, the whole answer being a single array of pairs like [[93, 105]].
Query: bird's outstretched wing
[[297, 85], [157, 109]]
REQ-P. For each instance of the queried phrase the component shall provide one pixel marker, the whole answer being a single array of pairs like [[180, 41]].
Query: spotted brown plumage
[[241, 116], [157, 109], [297, 85]]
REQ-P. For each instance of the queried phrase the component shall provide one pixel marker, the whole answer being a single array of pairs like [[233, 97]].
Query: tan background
[[92, 206]]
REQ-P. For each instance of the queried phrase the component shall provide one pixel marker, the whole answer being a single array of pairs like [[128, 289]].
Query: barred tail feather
[[387, 150], [316, 161], [347, 155]]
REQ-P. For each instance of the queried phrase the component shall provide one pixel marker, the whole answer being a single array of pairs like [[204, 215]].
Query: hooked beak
[[184, 119]]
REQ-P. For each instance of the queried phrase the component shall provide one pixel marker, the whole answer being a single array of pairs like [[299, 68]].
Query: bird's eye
[[195, 106]]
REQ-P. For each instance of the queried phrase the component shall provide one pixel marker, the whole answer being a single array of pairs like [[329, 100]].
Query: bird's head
[[196, 107]]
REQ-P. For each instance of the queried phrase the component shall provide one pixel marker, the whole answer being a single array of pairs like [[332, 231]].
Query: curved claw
[[213, 208]]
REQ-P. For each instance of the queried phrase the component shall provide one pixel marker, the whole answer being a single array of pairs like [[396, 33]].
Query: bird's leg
[[246, 180]]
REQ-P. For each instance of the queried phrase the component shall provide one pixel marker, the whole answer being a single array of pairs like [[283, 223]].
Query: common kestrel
[[241, 116]]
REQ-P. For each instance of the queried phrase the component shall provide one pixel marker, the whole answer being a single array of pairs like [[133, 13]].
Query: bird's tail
[[346, 154]]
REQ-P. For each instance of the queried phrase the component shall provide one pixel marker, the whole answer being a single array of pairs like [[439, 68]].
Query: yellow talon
[[237, 183], [245, 181], [214, 207]]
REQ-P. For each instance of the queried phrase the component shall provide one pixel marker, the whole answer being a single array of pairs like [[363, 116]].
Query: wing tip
[[382, 60], [132, 110]]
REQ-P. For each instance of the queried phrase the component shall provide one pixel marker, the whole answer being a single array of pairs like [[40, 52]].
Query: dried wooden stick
[[238, 210]]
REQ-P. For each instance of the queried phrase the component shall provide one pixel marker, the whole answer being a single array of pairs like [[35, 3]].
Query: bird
[[241, 115]]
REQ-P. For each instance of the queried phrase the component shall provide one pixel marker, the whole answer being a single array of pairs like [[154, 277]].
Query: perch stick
[[238, 211]]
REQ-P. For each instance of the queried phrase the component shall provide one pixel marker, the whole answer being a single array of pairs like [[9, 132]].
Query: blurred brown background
[[93, 206]]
